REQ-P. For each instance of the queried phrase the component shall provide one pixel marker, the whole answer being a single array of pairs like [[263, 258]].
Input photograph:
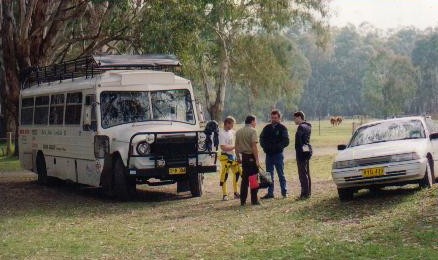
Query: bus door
[[87, 169]]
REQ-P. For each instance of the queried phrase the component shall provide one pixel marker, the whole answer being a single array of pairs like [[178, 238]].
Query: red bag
[[253, 182]]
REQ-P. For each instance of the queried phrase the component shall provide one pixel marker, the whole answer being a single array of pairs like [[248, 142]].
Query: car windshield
[[388, 131], [138, 106]]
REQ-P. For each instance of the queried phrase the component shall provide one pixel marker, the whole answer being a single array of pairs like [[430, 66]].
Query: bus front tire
[[124, 187], [196, 184]]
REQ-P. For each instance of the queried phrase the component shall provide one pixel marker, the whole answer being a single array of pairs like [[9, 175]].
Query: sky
[[385, 14]]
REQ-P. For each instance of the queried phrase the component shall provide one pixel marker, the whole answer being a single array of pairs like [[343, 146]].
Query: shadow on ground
[[365, 203], [25, 195]]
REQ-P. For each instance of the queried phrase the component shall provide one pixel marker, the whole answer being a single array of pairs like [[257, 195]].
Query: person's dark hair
[[249, 119], [300, 114], [229, 120], [276, 112]]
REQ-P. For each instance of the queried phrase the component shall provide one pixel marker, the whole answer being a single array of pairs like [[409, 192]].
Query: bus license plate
[[180, 170], [373, 172]]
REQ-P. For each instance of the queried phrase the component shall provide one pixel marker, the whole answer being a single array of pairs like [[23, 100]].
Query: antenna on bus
[[89, 66]]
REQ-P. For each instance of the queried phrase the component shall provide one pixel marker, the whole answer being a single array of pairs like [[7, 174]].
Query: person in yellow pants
[[228, 158]]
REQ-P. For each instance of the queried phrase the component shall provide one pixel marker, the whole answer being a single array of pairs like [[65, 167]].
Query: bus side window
[[41, 116], [27, 111], [89, 121], [73, 109], [57, 110]]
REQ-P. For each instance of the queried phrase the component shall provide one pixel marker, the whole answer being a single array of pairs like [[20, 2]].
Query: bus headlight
[[101, 146], [143, 148], [201, 141]]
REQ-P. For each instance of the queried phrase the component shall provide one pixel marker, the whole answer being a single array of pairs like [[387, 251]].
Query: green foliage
[[425, 58], [389, 85], [363, 71], [269, 72], [220, 41], [336, 82]]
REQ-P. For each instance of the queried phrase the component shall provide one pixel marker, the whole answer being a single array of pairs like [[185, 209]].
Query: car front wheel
[[428, 178]]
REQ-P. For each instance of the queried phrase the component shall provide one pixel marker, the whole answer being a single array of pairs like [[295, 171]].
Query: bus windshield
[[122, 107]]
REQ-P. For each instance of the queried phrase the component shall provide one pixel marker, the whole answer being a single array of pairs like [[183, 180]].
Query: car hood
[[383, 149]]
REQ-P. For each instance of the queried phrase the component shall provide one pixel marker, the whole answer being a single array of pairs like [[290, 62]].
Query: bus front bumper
[[171, 173]]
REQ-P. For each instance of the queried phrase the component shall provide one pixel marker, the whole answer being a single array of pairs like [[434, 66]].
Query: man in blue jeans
[[273, 139]]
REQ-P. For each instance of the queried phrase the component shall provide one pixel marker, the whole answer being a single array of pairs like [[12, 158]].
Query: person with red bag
[[248, 154]]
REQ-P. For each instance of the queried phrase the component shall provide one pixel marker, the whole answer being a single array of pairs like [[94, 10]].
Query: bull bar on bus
[[184, 146]]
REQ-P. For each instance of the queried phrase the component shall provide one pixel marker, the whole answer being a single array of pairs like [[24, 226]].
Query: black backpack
[[212, 133]]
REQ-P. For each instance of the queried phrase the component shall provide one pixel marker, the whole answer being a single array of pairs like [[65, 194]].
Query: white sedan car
[[391, 152]]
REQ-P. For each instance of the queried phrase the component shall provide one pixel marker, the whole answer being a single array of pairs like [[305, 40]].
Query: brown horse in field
[[336, 120]]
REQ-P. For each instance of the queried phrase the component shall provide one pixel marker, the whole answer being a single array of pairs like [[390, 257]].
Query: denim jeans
[[304, 174], [277, 161]]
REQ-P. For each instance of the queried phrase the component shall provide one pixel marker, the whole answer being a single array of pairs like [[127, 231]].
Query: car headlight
[[143, 148], [201, 141], [344, 164], [404, 157]]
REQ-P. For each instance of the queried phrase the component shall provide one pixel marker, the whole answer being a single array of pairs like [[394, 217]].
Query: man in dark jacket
[[273, 139], [303, 153]]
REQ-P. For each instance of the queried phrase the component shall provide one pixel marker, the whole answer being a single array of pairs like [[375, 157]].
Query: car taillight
[[101, 146]]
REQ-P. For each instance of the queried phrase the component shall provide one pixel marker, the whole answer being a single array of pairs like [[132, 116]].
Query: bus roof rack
[[89, 66]]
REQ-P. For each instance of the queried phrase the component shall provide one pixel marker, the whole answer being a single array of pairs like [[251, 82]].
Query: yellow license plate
[[373, 172], [180, 170]]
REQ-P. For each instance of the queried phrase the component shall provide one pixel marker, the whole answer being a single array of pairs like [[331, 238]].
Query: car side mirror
[[433, 136], [342, 147]]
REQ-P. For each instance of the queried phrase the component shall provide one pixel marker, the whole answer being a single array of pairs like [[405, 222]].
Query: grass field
[[69, 221]]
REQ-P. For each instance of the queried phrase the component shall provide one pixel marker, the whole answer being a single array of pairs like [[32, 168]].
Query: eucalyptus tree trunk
[[216, 109], [40, 32]]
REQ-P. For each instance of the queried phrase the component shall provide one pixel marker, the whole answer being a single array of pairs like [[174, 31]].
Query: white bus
[[114, 122]]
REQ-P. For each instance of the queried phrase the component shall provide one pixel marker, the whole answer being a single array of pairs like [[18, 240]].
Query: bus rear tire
[[43, 179], [124, 187], [196, 184]]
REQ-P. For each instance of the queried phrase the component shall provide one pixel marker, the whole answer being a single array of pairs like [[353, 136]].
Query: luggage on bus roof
[[88, 66], [140, 60]]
